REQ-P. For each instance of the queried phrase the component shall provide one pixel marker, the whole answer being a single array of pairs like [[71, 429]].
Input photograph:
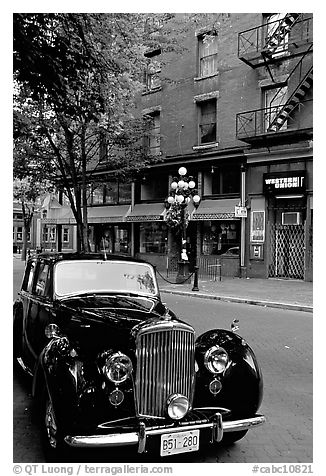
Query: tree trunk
[[84, 189], [24, 248]]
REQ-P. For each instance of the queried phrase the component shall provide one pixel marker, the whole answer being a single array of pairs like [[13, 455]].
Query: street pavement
[[286, 294]]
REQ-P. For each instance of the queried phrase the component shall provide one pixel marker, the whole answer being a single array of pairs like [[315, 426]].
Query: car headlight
[[117, 367], [216, 359], [177, 406]]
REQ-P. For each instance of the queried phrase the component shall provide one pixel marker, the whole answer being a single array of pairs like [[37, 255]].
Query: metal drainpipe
[[243, 271]]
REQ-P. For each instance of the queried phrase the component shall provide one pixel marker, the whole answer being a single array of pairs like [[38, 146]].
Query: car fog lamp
[[117, 368], [116, 397], [215, 387], [216, 359], [177, 406]]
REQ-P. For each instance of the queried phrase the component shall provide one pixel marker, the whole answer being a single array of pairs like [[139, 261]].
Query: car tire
[[52, 438], [231, 437]]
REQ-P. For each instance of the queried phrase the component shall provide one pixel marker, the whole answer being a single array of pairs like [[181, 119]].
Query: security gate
[[287, 251]]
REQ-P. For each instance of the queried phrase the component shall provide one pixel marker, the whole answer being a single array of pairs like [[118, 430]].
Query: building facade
[[234, 108]]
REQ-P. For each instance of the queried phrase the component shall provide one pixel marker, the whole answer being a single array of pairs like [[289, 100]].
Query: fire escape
[[283, 45]]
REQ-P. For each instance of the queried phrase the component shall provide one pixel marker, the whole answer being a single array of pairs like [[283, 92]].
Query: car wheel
[[53, 443], [232, 437]]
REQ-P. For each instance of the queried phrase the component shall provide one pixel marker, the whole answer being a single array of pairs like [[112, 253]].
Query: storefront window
[[218, 237], [121, 240], [111, 238], [153, 238]]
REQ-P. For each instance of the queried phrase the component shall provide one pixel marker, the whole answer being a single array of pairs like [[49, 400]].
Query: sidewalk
[[281, 293]]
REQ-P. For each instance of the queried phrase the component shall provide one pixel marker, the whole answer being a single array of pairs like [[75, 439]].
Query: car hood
[[103, 322]]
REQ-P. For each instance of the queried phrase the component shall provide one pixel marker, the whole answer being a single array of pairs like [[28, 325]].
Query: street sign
[[240, 212]]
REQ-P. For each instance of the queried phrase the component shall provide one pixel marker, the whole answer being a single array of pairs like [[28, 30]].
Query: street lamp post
[[182, 191]]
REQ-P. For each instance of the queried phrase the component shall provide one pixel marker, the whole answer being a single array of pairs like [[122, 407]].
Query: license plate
[[183, 442]]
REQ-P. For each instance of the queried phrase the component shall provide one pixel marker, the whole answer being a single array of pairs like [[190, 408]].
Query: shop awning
[[216, 209], [147, 212], [108, 214], [105, 214]]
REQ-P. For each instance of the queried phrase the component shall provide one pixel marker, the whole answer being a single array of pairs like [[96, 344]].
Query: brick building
[[234, 108]]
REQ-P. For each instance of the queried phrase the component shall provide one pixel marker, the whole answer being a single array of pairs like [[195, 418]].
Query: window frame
[[200, 57], [152, 70], [200, 105], [152, 117]]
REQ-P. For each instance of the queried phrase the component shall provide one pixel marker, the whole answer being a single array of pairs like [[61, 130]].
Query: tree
[[77, 76], [27, 192]]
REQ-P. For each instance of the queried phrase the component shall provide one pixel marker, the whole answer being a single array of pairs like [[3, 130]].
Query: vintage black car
[[112, 366]]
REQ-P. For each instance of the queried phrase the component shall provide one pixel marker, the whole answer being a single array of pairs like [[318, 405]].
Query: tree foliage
[[77, 76]]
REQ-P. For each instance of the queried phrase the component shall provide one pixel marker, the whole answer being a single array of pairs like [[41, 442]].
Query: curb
[[256, 302]]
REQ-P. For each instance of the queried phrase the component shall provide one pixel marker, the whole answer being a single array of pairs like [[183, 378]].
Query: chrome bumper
[[217, 426]]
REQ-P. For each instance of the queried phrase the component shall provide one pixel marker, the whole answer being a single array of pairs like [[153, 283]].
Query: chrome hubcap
[[50, 425]]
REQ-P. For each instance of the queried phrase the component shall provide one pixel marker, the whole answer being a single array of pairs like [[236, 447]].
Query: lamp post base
[[183, 272], [243, 271]]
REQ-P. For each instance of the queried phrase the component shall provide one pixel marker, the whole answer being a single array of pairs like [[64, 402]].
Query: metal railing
[[253, 41], [255, 123]]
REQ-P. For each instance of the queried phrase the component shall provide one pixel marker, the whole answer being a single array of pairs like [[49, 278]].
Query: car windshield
[[86, 276]]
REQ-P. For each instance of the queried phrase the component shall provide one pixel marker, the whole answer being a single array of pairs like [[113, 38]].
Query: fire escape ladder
[[274, 41], [292, 102]]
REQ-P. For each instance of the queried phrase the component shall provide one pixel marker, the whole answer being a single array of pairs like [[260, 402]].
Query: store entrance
[[287, 256]]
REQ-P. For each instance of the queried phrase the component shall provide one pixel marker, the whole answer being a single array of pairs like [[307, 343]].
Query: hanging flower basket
[[173, 218]]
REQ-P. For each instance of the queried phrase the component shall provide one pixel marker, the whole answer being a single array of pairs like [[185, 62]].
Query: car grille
[[165, 365]]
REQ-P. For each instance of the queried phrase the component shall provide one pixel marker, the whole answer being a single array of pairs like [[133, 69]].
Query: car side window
[[29, 277], [43, 280]]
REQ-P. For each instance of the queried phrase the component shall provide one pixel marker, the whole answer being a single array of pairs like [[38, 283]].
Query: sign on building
[[240, 212], [285, 183]]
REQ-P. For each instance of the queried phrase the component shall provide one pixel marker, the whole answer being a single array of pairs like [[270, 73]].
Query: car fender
[[56, 372], [241, 382]]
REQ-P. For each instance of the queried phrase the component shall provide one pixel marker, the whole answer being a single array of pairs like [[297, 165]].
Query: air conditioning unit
[[291, 218]]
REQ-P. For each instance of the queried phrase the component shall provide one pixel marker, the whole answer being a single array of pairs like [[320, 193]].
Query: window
[[207, 121], [28, 277], [124, 192], [153, 136], [46, 234], [153, 69], [52, 234], [207, 45], [49, 234], [121, 240], [14, 233], [98, 195], [65, 235], [153, 238], [277, 33], [274, 100], [19, 233], [218, 237], [43, 281], [222, 180], [155, 188]]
